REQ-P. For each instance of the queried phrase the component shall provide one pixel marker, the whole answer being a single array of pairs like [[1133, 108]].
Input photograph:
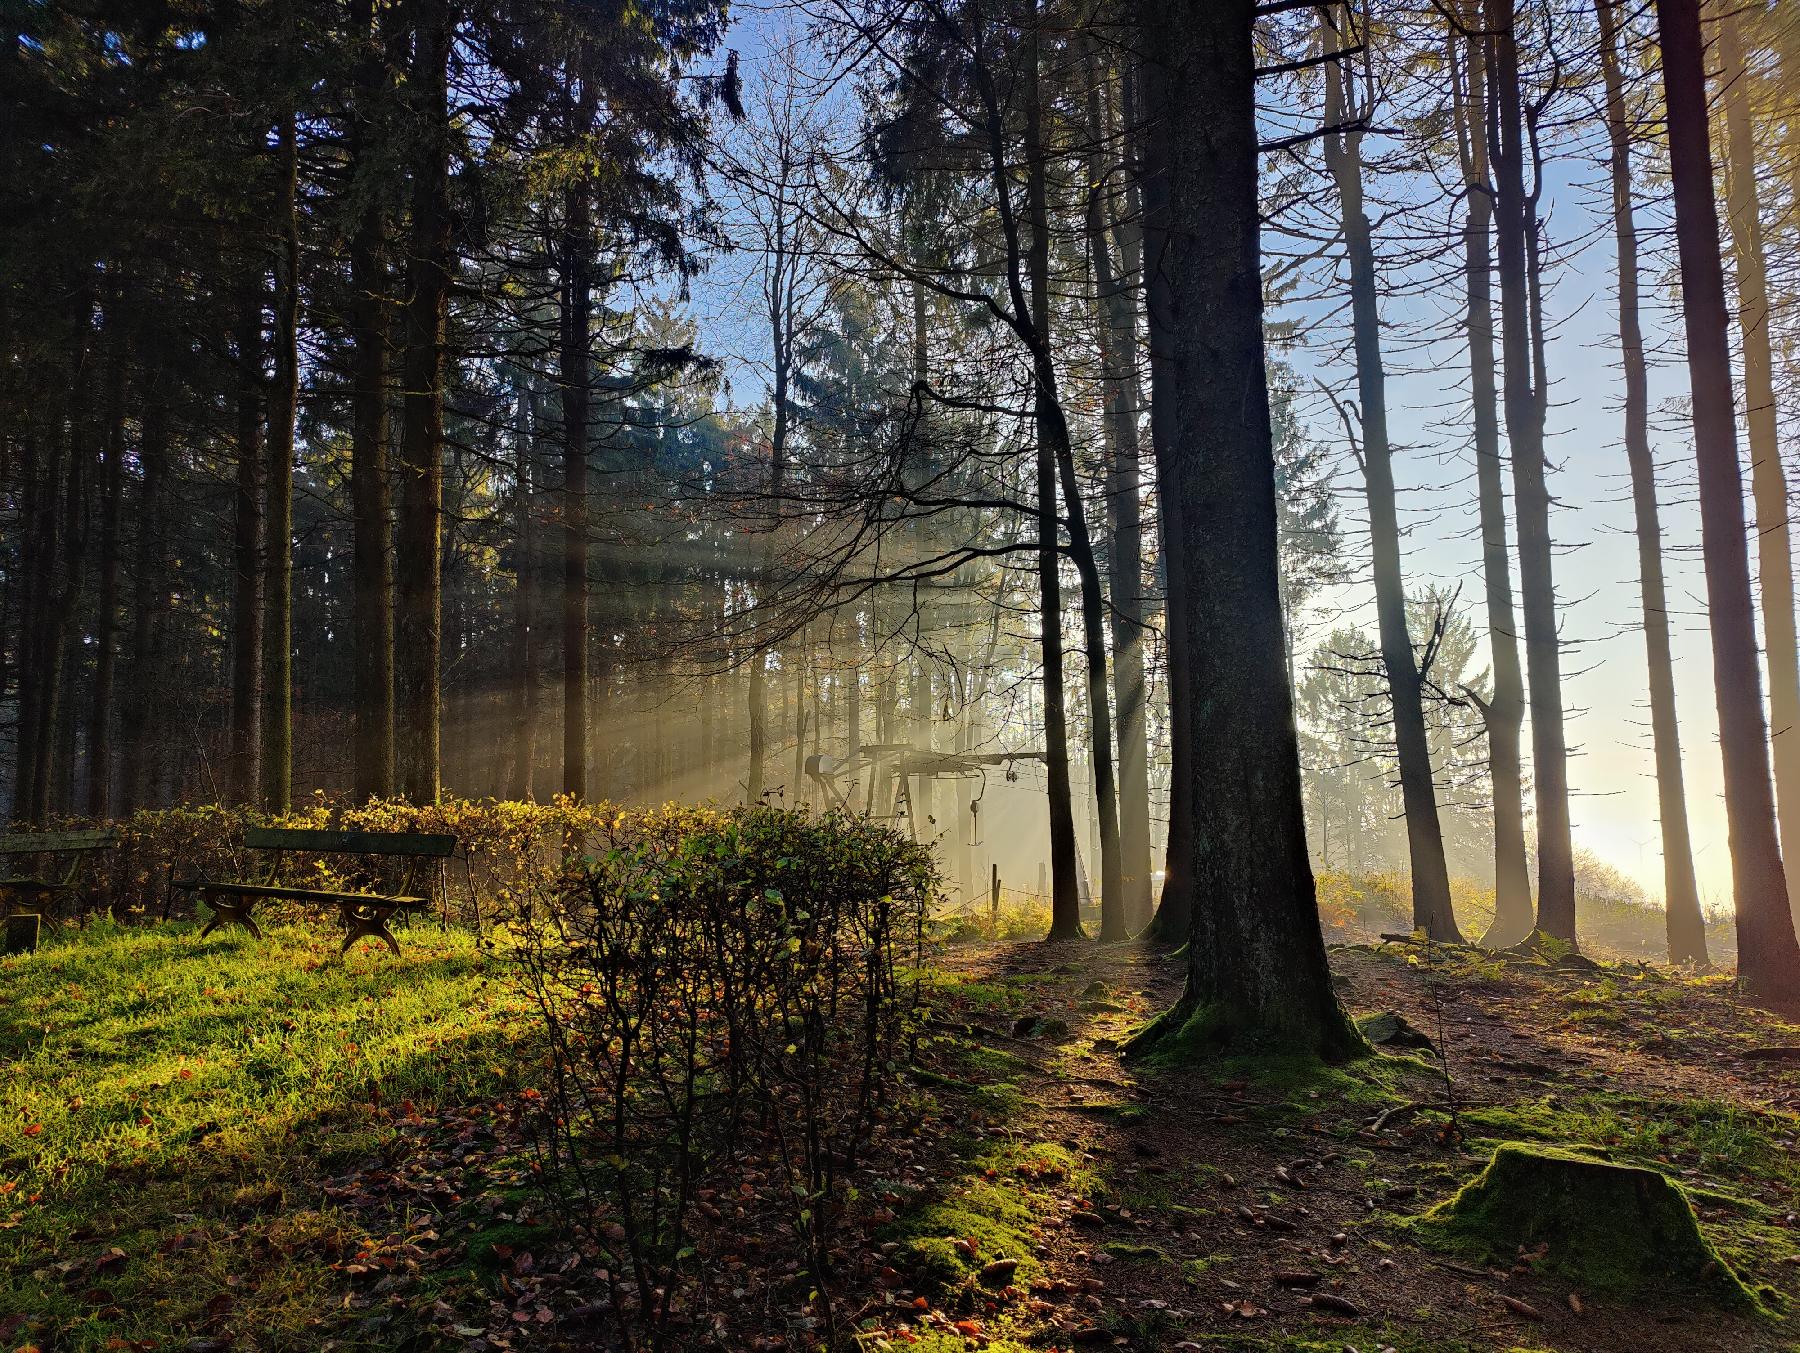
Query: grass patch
[[169, 1095], [1710, 1137]]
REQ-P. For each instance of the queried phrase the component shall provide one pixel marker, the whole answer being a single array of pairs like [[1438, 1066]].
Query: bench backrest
[[428, 844], [55, 843]]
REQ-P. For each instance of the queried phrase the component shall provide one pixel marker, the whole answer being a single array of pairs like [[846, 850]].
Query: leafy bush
[[725, 995]]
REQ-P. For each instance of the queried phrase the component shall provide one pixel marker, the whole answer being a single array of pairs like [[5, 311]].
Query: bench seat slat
[[300, 894], [55, 843], [428, 844]]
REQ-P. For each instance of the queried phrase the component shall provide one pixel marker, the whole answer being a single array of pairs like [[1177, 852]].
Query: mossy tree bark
[[1255, 957], [149, 593]]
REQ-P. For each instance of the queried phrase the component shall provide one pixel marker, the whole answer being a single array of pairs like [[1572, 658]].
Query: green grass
[[179, 1100], [1712, 1137]]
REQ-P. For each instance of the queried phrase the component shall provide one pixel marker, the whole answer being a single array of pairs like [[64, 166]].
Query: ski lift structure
[[838, 777]]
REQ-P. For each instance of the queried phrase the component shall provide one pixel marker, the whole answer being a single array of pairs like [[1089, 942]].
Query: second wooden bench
[[364, 912]]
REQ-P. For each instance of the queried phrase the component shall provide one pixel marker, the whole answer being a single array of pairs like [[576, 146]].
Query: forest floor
[[1259, 1204], [220, 1144]]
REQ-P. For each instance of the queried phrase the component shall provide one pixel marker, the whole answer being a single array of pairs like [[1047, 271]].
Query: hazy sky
[[1605, 688]]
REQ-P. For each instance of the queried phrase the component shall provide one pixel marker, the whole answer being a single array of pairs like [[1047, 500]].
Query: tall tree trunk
[[1121, 398], [1176, 905], [64, 549], [418, 619], [1174, 912], [1255, 957], [574, 361], [525, 597], [278, 575], [1768, 955], [1093, 599], [34, 559], [1432, 911], [372, 567], [150, 595], [1503, 714], [1052, 439], [1686, 926], [1521, 357], [1768, 482], [106, 602], [247, 545]]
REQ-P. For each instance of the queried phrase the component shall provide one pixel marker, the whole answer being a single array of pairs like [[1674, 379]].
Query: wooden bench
[[364, 913], [78, 846]]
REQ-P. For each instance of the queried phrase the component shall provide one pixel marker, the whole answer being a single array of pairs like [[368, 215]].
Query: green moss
[[984, 1064], [1003, 1099], [494, 1247], [949, 1341], [1611, 1228], [1116, 1111], [1193, 1270], [997, 1207], [1185, 1035]]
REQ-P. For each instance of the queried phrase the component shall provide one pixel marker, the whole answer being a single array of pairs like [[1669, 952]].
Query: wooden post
[[994, 901]]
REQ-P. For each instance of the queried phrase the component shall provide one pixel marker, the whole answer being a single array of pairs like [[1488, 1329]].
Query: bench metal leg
[[373, 925], [24, 898], [238, 913], [21, 933]]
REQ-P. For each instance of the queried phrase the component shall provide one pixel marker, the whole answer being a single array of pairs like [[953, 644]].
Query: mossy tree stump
[[1604, 1226]]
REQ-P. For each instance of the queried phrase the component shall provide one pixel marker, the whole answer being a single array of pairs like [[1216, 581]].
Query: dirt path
[[1255, 1203]]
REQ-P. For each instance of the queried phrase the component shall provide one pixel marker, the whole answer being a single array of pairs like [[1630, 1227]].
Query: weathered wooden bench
[[364, 913], [77, 845]]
